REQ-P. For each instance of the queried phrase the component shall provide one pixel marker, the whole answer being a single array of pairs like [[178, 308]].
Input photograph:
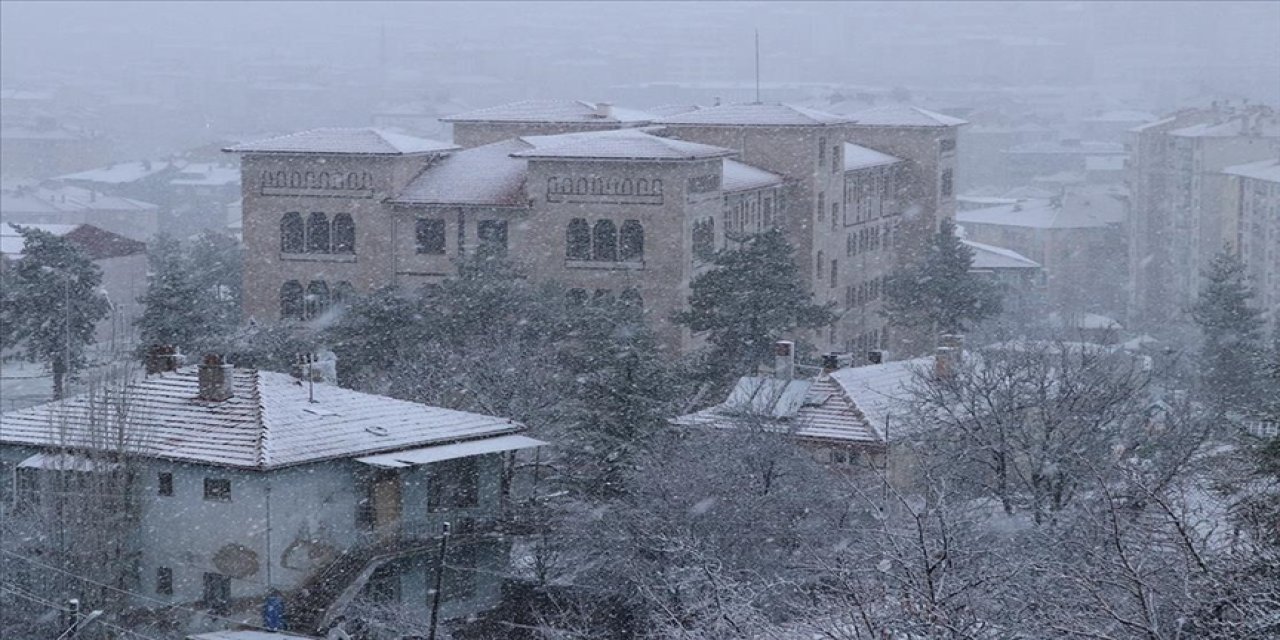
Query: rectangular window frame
[[217, 489], [164, 484], [430, 236]]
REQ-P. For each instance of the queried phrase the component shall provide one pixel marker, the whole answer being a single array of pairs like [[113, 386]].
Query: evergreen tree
[[752, 297], [216, 263], [53, 302], [938, 293], [172, 311], [1233, 349]]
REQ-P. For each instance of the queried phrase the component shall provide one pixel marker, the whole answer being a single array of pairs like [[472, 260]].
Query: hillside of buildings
[[786, 321]]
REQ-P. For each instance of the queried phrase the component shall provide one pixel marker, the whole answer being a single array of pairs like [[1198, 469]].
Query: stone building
[[606, 201]]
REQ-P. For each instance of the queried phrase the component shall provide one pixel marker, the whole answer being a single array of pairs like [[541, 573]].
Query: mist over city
[[640, 320]]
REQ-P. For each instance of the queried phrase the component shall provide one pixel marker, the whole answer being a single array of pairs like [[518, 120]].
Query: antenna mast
[[757, 66]]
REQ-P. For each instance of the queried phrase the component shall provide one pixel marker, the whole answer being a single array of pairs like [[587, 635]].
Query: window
[[164, 581], [946, 182], [291, 233], [460, 574], [165, 487], [835, 158], [822, 151], [834, 271], [835, 215], [317, 233], [217, 591], [493, 236], [343, 293], [822, 204], [217, 489], [704, 238], [604, 237], [291, 304], [948, 144], [577, 240], [768, 212], [317, 298], [631, 241], [344, 234], [819, 264], [454, 484], [430, 235]]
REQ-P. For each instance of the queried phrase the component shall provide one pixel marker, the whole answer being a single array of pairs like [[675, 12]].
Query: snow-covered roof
[[442, 452], [1085, 320], [1086, 147], [485, 175], [1236, 126], [1041, 214], [755, 114], [1104, 163], [881, 391], [120, 173], [207, 174], [1266, 170], [357, 141], [1151, 125], [1122, 115], [94, 242], [617, 144], [901, 115], [860, 157], [268, 423], [66, 199], [986, 256], [552, 112], [806, 409], [739, 176]]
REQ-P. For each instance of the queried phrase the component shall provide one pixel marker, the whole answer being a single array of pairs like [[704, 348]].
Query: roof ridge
[[260, 441]]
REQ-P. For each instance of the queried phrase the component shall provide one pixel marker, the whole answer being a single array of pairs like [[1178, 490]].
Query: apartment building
[[1253, 219], [1179, 216]]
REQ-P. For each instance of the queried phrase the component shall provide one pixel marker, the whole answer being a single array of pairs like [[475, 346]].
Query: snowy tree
[[1233, 350], [53, 302], [193, 293], [939, 294], [751, 298]]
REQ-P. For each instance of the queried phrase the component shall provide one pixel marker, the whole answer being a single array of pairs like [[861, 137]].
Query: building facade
[[609, 202], [1253, 220]]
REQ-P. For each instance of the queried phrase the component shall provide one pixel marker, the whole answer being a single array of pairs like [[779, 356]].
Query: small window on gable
[[218, 489]]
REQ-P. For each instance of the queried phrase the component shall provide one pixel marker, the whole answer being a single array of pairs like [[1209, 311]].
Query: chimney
[[830, 362], [215, 379], [162, 358], [949, 353], [875, 356], [604, 110], [784, 359]]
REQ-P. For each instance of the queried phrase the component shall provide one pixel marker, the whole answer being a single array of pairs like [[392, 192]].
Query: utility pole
[[435, 597]]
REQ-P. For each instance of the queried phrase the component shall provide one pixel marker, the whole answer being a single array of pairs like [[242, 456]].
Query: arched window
[[577, 297], [317, 298], [317, 233], [578, 240], [343, 293], [291, 305], [291, 233], [604, 238], [631, 241], [344, 234]]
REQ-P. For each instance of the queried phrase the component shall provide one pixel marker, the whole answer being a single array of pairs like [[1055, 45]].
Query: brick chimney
[[215, 379], [830, 362], [162, 358], [784, 359], [950, 352]]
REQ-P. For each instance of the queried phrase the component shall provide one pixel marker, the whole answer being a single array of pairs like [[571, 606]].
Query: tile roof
[[551, 111], [987, 256], [739, 176], [755, 114], [882, 392], [485, 175], [895, 115], [269, 422], [358, 141], [617, 144], [1266, 170], [860, 157], [810, 410]]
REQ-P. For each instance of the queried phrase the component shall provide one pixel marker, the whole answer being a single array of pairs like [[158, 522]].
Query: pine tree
[[752, 297], [174, 312], [938, 293], [53, 302], [1233, 350]]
